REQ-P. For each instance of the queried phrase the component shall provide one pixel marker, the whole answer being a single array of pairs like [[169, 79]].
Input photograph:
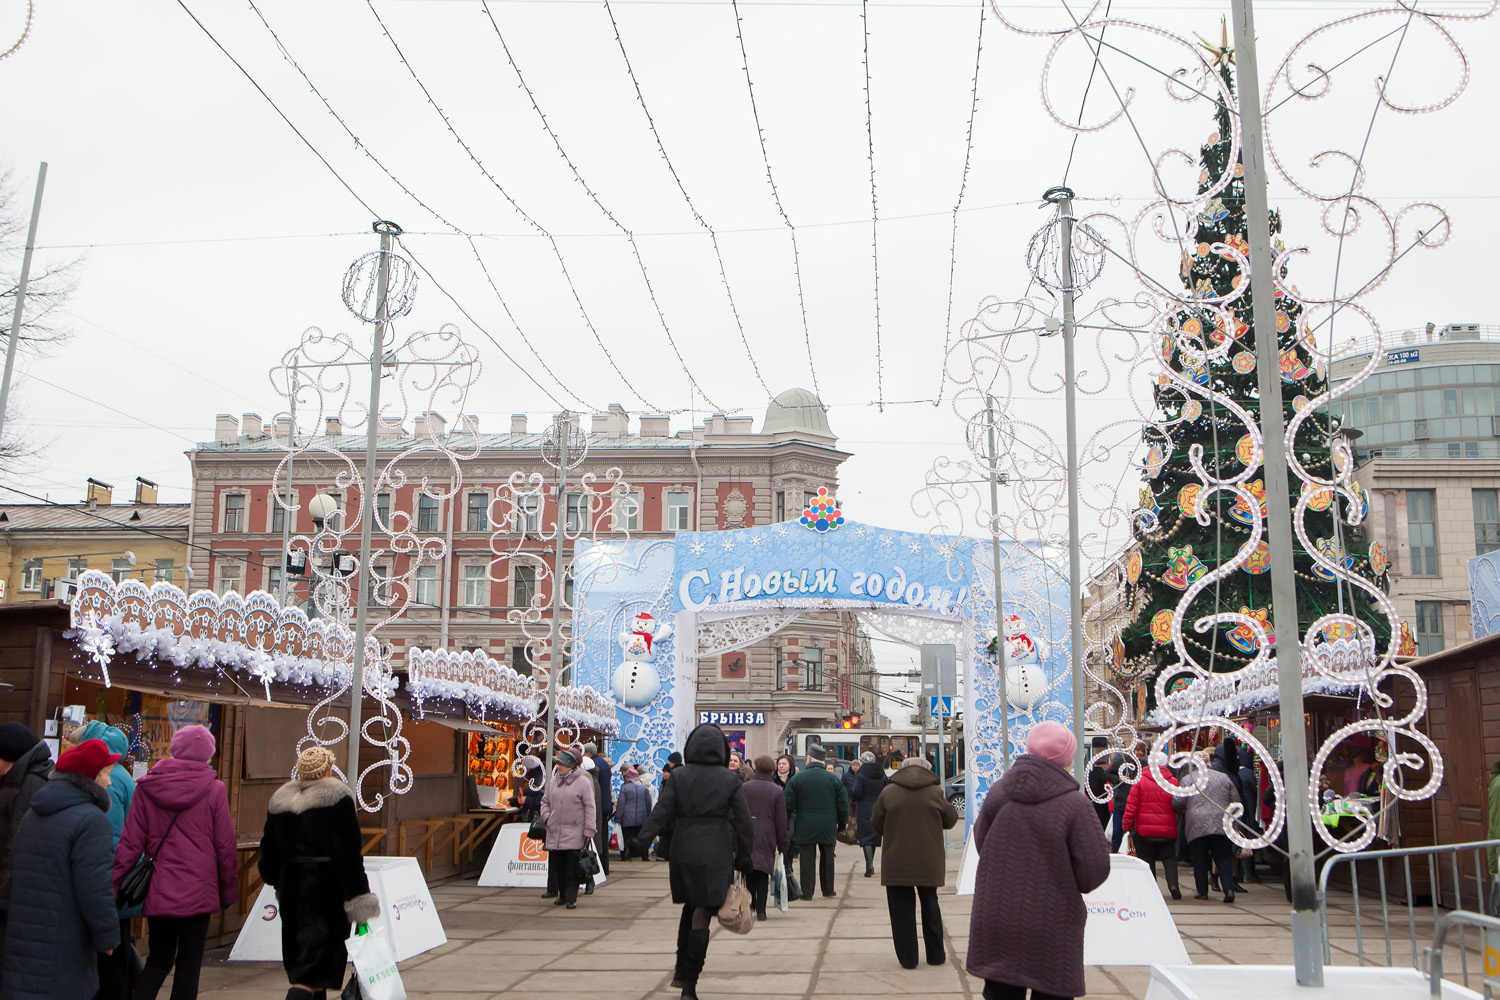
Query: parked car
[[953, 788]]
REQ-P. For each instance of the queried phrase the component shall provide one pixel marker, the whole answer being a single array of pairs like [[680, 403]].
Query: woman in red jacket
[[1152, 823]]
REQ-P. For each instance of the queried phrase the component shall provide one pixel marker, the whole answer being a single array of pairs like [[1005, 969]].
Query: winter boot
[[692, 963], [869, 860]]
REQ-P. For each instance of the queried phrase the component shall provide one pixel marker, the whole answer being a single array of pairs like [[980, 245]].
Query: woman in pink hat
[[180, 816], [1040, 849]]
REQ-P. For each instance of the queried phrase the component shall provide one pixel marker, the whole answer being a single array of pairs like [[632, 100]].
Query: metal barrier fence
[[1463, 920], [1427, 882]]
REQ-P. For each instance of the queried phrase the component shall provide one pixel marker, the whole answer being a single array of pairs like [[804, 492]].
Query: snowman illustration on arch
[[635, 682], [1025, 680]]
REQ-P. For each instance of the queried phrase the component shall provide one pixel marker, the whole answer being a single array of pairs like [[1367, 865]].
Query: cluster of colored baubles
[[822, 514]]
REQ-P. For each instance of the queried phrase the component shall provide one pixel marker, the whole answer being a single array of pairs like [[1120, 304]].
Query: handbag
[[375, 974], [588, 862], [793, 889], [136, 883], [537, 830], [848, 831], [736, 914], [779, 893]]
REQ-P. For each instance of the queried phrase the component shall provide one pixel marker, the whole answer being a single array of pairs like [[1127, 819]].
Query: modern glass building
[[1433, 395]]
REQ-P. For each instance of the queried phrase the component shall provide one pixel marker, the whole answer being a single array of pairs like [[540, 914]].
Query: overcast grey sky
[[215, 236]]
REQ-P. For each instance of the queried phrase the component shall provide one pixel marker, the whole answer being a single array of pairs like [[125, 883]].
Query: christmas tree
[[1171, 549]]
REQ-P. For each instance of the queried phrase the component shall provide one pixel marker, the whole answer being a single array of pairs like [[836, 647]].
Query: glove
[[744, 864]]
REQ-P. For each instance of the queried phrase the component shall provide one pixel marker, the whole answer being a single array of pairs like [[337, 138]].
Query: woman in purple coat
[[1040, 849], [768, 816], [180, 816]]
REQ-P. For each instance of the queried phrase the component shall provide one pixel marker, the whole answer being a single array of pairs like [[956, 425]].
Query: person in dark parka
[[631, 809], [768, 813], [705, 805], [1040, 849], [62, 904], [867, 788], [532, 787], [664, 841], [821, 806], [25, 763], [117, 974], [911, 815], [311, 855]]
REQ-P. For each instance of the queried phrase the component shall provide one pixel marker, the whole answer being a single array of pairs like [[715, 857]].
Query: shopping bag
[[793, 890], [779, 886], [375, 966]]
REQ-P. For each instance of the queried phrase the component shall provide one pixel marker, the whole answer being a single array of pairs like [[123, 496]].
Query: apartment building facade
[[720, 475]]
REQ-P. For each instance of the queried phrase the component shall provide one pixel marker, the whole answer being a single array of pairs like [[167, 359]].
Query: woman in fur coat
[[310, 854]]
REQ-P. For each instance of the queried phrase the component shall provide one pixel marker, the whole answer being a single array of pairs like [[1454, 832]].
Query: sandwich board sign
[[516, 860]]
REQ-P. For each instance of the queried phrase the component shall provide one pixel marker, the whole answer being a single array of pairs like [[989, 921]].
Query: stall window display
[[148, 720], [489, 762]]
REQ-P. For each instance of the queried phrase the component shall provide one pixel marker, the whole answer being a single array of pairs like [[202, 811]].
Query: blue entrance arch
[[653, 607]]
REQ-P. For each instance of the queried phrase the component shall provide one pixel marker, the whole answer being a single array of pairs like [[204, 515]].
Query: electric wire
[[760, 135], [457, 230], [864, 17], [495, 183], [594, 197], [963, 186], [275, 107]]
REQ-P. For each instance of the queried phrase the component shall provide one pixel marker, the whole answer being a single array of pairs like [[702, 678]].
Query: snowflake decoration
[[781, 531], [887, 542], [822, 515], [912, 545], [860, 531], [698, 548], [727, 545], [757, 541]]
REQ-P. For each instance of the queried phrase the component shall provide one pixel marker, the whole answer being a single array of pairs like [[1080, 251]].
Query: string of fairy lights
[[958, 203], [864, 20]]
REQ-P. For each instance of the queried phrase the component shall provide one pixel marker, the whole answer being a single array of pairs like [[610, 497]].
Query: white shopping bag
[[778, 886], [375, 966]]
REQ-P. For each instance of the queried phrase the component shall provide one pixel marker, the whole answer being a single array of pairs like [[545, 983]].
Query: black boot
[[692, 963], [869, 860]]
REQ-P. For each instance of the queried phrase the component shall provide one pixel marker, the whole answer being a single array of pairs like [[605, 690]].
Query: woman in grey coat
[[572, 818], [62, 900], [1204, 828]]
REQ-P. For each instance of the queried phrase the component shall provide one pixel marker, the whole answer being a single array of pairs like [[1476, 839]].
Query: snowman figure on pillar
[[635, 681], [1025, 681]]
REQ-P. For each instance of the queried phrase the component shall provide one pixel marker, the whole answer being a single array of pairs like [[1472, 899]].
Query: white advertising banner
[[408, 918], [1128, 920], [516, 860]]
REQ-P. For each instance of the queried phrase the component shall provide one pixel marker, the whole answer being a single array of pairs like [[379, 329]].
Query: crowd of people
[[86, 847]]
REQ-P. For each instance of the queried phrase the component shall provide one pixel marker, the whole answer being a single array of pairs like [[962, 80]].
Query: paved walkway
[[620, 941]]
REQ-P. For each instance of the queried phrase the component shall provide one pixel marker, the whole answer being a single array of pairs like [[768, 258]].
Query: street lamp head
[[322, 507]]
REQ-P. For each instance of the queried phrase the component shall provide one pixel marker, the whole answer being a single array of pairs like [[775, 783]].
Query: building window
[[1486, 521], [476, 585], [780, 505], [427, 513], [424, 586], [1421, 527], [675, 516], [518, 661], [165, 570], [31, 575], [1455, 449], [808, 497], [229, 577], [274, 576], [234, 512], [524, 589], [568, 587], [1450, 402], [628, 512], [780, 669], [119, 570], [76, 567], [278, 516], [529, 519], [477, 514], [1471, 449], [1429, 627], [578, 512], [812, 669]]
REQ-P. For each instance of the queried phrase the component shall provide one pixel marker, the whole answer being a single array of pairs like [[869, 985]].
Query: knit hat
[[1054, 741], [867, 758], [590, 749], [674, 758], [588, 763], [631, 772], [16, 741], [816, 751], [567, 758], [917, 762], [314, 763], [87, 759], [529, 761], [192, 743]]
